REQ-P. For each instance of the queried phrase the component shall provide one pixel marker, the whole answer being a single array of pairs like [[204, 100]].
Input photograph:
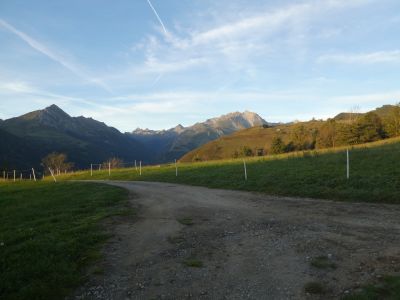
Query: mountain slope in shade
[[173, 143], [84, 140], [15, 152]]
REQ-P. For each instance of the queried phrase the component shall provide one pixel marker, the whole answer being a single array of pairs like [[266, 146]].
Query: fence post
[[20, 176], [135, 165], [14, 175], [33, 172], [140, 168], [91, 170], [51, 172], [245, 169], [109, 168], [348, 164], [176, 169]]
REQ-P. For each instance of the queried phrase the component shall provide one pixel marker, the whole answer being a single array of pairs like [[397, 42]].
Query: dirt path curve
[[250, 246]]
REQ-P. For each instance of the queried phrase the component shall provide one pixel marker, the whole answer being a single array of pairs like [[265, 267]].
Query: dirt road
[[198, 243]]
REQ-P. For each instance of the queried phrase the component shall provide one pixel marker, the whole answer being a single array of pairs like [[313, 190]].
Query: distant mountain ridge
[[175, 142], [84, 140], [258, 140], [30, 137]]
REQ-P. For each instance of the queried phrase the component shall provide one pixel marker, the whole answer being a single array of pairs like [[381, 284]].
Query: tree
[[392, 123], [57, 162], [243, 152], [114, 163], [277, 146], [246, 151], [327, 135], [368, 128], [354, 113], [303, 139]]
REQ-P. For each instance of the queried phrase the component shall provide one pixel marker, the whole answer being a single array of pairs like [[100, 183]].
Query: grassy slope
[[48, 232], [255, 138], [320, 174], [261, 138]]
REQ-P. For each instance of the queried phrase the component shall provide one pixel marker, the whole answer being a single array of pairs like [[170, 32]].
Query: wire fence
[[31, 174]]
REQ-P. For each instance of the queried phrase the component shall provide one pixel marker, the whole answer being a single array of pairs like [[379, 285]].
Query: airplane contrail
[[158, 17]]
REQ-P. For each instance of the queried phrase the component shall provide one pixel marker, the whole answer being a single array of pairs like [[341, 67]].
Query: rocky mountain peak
[[178, 128]]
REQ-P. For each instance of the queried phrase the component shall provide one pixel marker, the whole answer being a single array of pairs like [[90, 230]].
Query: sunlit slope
[[374, 173], [255, 138]]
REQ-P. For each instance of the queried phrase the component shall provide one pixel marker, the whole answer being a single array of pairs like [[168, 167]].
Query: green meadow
[[49, 233], [374, 173]]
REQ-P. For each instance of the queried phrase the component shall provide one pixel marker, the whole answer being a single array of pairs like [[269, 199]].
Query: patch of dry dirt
[[250, 246]]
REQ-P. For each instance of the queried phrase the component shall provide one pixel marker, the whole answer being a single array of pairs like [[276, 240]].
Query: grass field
[[374, 174], [388, 288], [49, 233]]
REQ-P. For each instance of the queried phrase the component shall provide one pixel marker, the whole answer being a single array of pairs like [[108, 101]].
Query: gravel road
[[196, 243]]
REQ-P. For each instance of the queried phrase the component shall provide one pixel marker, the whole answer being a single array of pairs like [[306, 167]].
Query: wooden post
[[14, 175], [33, 172], [245, 169], [135, 165], [140, 168], [176, 169], [348, 164], [51, 172], [91, 170], [109, 168]]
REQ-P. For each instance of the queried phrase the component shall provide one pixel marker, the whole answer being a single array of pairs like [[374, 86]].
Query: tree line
[[361, 129], [58, 163]]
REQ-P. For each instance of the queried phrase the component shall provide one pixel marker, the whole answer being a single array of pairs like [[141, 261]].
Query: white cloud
[[40, 47], [20, 88], [362, 58], [239, 44], [391, 97]]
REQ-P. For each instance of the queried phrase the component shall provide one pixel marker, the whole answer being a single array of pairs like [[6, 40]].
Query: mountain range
[[167, 145], [30, 137], [258, 140], [26, 139]]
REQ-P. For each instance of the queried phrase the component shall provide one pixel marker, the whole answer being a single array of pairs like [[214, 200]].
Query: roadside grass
[[186, 221], [388, 289], [322, 262], [314, 287], [374, 174], [49, 233], [193, 263]]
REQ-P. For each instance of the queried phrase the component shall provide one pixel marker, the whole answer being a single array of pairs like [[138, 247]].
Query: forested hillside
[[344, 129]]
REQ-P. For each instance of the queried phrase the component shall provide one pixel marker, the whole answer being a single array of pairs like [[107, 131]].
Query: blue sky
[[157, 63]]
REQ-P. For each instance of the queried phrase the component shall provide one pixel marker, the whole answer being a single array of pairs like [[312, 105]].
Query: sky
[[157, 63]]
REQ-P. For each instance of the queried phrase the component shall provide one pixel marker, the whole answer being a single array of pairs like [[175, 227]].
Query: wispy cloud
[[20, 88], [237, 43], [389, 97], [362, 58], [42, 48]]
